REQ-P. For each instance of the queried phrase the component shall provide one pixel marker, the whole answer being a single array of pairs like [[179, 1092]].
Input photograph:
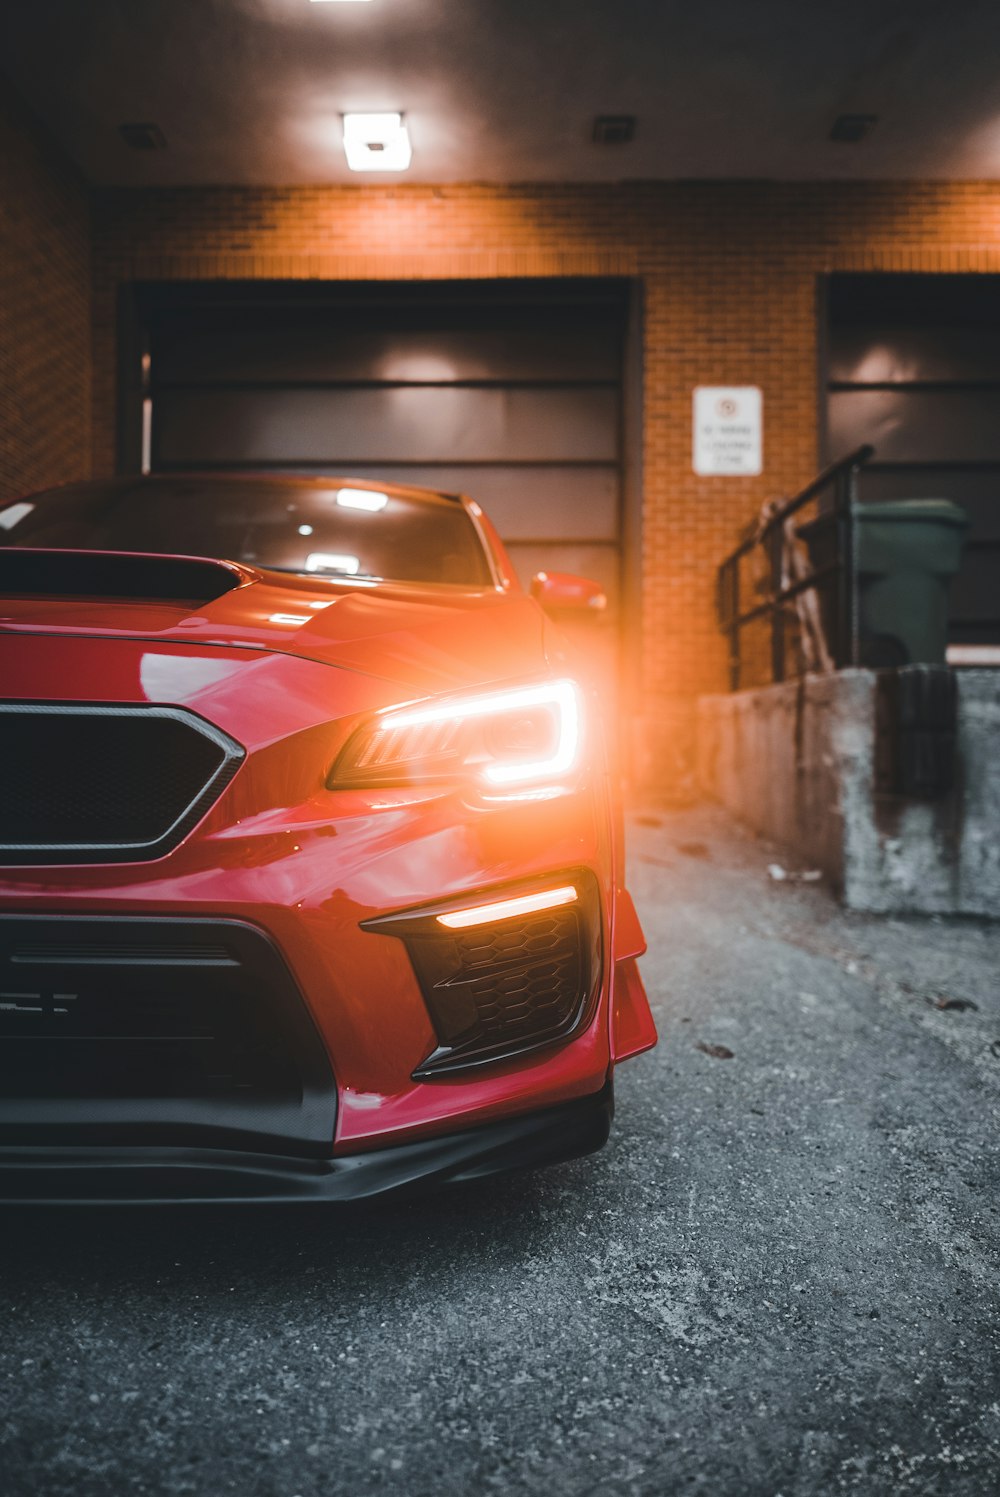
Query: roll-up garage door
[[510, 392], [914, 368]]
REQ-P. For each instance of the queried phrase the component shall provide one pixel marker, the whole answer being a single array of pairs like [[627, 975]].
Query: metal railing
[[842, 572]]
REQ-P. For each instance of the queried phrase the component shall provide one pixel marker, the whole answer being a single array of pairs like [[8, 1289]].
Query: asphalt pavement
[[781, 1277]]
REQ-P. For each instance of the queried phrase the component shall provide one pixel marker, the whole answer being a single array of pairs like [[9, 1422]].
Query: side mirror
[[567, 593]]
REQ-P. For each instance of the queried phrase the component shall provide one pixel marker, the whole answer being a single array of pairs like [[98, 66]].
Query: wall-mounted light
[[376, 143]]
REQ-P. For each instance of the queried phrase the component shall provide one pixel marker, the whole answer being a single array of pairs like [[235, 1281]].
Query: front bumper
[[310, 879], [321, 878], [147, 1176]]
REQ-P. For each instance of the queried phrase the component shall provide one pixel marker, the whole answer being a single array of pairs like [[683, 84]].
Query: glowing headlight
[[512, 737]]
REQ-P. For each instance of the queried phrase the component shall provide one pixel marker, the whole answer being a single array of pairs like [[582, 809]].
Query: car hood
[[425, 637]]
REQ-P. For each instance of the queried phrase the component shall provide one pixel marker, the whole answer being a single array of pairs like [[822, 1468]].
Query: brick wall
[[730, 273], [45, 337]]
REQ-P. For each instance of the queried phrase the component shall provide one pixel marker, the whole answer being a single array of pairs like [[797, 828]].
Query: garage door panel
[[280, 426], [917, 425], [558, 503], [292, 346], [876, 354]]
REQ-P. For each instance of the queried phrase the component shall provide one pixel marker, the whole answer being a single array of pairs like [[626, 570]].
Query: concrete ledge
[[796, 762]]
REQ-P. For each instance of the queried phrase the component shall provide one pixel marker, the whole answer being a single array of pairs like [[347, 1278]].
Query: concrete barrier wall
[[796, 762]]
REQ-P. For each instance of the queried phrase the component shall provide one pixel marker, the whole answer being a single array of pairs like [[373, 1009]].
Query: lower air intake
[[156, 1031]]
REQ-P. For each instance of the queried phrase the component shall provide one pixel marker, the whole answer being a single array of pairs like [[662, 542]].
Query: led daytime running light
[[507, 909]]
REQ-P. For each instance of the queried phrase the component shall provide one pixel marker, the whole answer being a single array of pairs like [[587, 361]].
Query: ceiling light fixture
[[342, 2], [376, 143]]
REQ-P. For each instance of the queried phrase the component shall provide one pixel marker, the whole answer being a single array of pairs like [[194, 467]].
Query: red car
[[311, 877]]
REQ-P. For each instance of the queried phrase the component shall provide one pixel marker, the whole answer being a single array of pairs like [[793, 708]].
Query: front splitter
[[156, 1176]]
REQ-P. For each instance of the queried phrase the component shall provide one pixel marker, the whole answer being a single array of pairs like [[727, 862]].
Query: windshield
[[324, 527]]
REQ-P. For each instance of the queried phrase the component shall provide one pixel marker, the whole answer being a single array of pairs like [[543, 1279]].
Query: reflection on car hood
[[430, 638]]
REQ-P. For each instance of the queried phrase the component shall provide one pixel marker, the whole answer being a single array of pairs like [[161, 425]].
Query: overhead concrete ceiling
[[252, 91]]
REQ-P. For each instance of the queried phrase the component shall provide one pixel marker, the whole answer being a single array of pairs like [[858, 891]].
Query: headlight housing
[[511, 737]]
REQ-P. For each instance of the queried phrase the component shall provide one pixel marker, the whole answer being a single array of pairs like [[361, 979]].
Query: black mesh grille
[[98, 784], [523, 977], [136, 1041]]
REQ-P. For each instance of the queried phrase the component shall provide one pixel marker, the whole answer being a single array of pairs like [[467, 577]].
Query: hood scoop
[[115, 574]]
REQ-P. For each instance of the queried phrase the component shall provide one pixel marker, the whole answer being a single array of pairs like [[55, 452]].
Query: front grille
[[92, 784], [132, 1030], [497, 990]]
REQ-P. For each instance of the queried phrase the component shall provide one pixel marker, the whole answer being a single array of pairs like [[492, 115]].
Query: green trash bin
[[908, 550]]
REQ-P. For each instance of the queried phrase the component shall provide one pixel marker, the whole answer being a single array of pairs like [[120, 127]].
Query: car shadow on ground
[[123, 1248]]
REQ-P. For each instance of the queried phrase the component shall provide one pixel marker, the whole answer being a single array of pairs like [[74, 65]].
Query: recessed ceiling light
[[343, 2], [376, 143]]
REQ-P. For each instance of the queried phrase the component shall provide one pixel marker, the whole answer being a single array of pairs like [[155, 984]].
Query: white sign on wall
[[728, 430]]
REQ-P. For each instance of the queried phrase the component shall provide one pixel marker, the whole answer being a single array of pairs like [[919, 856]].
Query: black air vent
[[112, 574], [105, 1039]]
